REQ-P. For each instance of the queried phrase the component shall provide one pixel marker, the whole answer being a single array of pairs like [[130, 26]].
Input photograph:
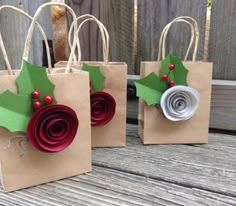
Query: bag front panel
[[36, 167], [112, 134]]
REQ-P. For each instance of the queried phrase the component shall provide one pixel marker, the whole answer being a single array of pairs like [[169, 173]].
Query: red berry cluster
[[164, 77], [48, 99]]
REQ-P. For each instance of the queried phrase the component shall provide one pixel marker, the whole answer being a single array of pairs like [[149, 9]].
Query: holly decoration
[[172, 73], [174, 68], [16, 109], [96, 77], [151, 88], [34, 78]]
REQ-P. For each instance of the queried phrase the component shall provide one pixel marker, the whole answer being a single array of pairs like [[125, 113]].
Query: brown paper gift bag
[[37, 167], [154, 127], [113, 134]]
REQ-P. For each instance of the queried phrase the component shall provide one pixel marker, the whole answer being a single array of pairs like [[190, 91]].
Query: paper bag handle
[[164, 34], [5, 56], [194, 35], [31, 30], [103, 31]]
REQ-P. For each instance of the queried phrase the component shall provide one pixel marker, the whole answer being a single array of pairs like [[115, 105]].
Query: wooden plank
[[14, 29], [195, 167], [46, 21], [222, 43], [117, 15], [153, 15], [90, 39], [11, 24], [152, 192], [111, 187], [223, 108]]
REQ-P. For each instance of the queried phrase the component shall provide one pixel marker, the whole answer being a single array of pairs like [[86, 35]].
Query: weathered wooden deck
[[145, 175]]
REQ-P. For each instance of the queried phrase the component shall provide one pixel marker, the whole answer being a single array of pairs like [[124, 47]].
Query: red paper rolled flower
[[52, 128], [103, 108]]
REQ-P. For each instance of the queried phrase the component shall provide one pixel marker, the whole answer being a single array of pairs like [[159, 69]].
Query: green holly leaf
[[179, 74], [150, 88], [15, 111], [96, 77], [33, 77]]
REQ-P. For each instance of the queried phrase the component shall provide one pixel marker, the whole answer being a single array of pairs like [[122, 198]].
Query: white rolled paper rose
[[180, 102]]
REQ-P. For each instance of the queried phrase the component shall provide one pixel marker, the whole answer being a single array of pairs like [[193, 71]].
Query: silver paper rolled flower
[[180, 102]]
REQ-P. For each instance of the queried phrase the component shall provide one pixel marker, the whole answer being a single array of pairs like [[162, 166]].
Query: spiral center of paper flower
[[98, 108], [57, 128], [180, 103]]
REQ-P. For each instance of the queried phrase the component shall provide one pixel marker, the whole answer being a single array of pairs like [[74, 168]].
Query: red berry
[[171, 83], [90, 89], [35, 94], [48, 99], [171, 66], [37, 104], [164, 77], [90, 82]]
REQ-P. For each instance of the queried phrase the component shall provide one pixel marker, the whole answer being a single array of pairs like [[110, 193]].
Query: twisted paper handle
[[32, 26], [194, 35], [103, 31]]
